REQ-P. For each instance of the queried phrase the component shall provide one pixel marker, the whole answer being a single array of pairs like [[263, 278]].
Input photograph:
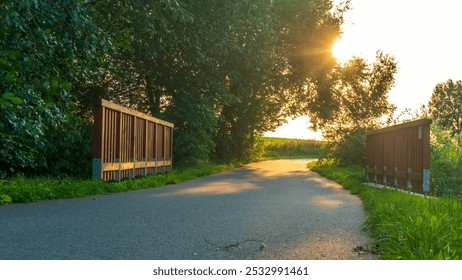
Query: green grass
[[404, 226], [278, 148], [21, 189]]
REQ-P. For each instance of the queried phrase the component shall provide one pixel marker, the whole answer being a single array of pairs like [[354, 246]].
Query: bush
[[69, 153], [350, 149], [446, 163]]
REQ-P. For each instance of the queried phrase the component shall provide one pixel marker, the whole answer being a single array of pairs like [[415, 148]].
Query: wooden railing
[[128, 143], [400, 156]]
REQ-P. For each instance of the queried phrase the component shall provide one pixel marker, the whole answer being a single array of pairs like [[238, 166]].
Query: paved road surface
[[266, 210]]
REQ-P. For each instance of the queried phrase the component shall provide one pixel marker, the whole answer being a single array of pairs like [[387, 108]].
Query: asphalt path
[[265, 210]]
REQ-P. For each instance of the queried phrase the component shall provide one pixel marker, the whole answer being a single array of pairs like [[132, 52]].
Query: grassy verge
[[21, 189], [404, 226]]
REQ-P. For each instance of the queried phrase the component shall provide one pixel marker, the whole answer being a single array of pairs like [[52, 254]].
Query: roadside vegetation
[[403, 226], [21, 189]]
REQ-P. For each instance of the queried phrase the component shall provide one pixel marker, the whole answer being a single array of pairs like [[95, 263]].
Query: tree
[[223, 71], [360, 97], [46, 47], [220, 70], [445, 106], [167, 62], [276, 51]]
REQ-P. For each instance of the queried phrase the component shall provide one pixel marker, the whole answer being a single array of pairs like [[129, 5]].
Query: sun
[[343, 50]]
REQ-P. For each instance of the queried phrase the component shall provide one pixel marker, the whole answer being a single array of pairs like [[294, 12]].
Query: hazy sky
[[425, 36]]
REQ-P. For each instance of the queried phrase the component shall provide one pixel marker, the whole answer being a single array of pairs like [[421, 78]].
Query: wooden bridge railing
[[400, 155], [128, 143]]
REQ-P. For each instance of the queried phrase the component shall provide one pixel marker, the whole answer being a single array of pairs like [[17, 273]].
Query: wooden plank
[[132, 112], [389, 173], [400, 126], [415, 176], [401, 174], [134, 165], [145, 144]]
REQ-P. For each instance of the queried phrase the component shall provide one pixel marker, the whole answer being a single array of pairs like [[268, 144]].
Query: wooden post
[[367, 173], [171, 148], [155, 146], [145, 147], [375, 174], [408, 178], [98, 143], [385, 175], [395, 176], [164, 148], [132, 172]]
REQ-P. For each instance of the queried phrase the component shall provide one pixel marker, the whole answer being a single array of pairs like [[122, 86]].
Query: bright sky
[[423, 35]]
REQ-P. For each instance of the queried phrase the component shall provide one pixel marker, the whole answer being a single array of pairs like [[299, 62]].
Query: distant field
[[282, 147]]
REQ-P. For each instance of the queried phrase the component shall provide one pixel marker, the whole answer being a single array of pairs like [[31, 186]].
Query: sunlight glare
[[343, 50]]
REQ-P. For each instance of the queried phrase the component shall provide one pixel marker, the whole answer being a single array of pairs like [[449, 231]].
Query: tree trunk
[[153, 97]]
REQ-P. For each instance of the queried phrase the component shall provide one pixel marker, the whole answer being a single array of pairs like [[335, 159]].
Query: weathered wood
[[128, 143], [128, 111], [422, 122], [399, 154]]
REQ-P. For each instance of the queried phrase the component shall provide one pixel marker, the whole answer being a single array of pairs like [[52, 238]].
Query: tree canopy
[[223, 71], [445, 106], [359, 103], [46, 47]]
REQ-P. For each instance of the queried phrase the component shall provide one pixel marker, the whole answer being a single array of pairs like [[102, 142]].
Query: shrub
[[349, 149]]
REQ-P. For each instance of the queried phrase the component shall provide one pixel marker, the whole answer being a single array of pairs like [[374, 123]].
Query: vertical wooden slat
[[155, 146], [164, 149], [134, 145], [120, 151], [106, 131], [171, 149], [145, 145]]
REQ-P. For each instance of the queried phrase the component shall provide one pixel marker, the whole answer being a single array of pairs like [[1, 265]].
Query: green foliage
[[164, 63], [71, 153], [223, 71], [404, 226], [21, 189], [274, 53], [45, 47], [349, 150], [5, 199], [359, 102], [445, 106], [194, 125], [446, 162]]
